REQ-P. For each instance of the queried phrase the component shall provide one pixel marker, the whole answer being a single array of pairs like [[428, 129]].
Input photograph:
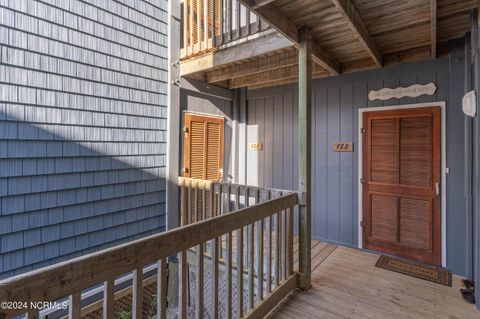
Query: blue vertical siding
[[335, 118], [83, 118]]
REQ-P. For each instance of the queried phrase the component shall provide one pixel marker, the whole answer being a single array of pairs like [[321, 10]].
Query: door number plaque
[[343, 147]]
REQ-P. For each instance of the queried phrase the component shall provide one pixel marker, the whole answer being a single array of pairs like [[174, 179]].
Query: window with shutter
[[203, 156]]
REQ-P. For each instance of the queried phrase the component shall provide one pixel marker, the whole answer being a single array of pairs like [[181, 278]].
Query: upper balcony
[[254, 43]]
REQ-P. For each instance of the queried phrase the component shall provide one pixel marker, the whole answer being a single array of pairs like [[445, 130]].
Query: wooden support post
[[74, 306], [304, 155]]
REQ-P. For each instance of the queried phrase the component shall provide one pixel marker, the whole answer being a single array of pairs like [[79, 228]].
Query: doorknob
[[437, 188]]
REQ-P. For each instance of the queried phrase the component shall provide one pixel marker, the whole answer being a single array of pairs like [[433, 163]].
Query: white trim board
[[443, 174]]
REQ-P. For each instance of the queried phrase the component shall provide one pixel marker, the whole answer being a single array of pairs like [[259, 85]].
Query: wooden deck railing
[[208, 24], [258, 260]]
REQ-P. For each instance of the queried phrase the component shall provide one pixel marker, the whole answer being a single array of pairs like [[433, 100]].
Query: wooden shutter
[[203, 147], [203, 156]]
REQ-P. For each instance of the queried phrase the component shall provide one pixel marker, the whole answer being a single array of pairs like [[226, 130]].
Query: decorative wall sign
[[255, 147], [415, 90], [343, 147]]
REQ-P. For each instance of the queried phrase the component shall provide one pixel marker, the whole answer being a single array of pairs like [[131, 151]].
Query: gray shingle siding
[[83, 119]]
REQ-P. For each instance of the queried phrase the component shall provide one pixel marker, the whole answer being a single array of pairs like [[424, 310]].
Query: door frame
[[443, 173]]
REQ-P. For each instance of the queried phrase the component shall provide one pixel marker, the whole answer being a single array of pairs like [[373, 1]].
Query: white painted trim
[[443, 175]]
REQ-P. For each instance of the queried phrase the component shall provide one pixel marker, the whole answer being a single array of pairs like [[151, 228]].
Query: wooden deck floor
[[346, 284]]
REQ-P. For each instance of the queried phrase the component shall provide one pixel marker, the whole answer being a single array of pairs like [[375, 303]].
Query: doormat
[[434, 274]]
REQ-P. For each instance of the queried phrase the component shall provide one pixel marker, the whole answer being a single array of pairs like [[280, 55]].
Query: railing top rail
[[69, 277], [206, 185]]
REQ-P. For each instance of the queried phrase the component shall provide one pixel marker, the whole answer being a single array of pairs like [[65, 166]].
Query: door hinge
[[362, 224], [363, 130], [185, 129], [185, 170], [362, 180]]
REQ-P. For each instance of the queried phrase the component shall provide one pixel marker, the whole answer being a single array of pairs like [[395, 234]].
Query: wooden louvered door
[[401, 193], [203, 155]]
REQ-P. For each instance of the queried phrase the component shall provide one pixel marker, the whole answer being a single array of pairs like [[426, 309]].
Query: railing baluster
[[109, 299], [192, 42], [222, 22], [247, 21], [137, 293], [290, 241], [204, 203], [230, 20], [162, 288], [183, 284], [183, 204], [195, 205], [214, 253], [278, 243], [239, 267], [214, 22], [284, 245], [200, 269], [238, 16], [268, 251], [228, 266], [32, 314], [189, 205], [229, 259], [74, 306], [259, 254], [239, 260], [205, 24], [250, 257], [260, 260], [185, 25], [198, 48]]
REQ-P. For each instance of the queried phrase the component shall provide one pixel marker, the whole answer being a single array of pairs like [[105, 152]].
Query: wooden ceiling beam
[[284, 25], [260, 64], [261, 3], [269, 42], [279, 74], [433, 28], [355, 23]]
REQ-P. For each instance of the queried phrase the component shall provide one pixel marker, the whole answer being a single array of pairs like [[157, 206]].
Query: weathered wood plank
[[266, 305], [355, 23], [284, 25], [109, 299], [433, 28], [137, 293], [182, 284], [74, 306], [162, 288]]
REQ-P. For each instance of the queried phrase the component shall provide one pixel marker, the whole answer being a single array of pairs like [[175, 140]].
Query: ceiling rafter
[[288, 73], [355, 23], [260, 64], [433, 27], [284, 25]]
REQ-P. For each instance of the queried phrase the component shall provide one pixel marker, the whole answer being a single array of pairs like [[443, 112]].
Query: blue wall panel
[[83, 93], [335, 118]]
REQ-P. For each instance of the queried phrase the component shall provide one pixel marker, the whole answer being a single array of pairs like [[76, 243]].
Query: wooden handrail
[[71, 277]]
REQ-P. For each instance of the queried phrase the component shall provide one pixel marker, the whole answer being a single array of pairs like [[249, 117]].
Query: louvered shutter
[[203, 155]]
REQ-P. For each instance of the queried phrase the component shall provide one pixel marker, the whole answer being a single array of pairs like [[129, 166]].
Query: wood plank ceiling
[[349, 36]]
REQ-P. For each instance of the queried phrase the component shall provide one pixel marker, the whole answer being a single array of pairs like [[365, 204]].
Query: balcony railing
[[208, 24], [235, 262]]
